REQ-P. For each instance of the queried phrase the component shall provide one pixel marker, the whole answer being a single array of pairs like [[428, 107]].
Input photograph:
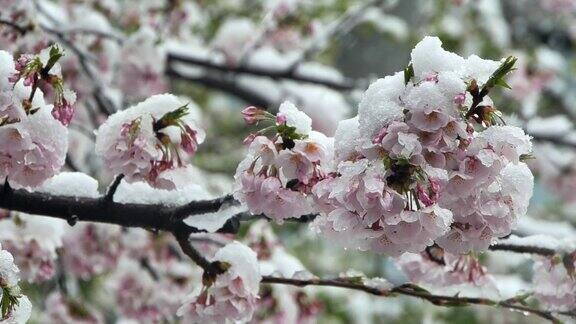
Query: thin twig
[[287, 74], [109, 196], [412, 291]]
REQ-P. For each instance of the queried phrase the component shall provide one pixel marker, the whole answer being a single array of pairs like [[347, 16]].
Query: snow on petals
[[150, 141], [231, 296], [412, 170], [278, 173], [16, 308]]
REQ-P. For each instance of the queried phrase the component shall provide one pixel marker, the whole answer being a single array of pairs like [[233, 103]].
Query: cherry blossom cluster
[[34, 139], [150, 141], [277, 175], [280, 304], [425, 162], [229, 296]]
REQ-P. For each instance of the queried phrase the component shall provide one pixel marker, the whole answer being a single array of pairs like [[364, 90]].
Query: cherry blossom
[[416, 172], [277, 174], [16, 308], [232, 295], [150, 141]]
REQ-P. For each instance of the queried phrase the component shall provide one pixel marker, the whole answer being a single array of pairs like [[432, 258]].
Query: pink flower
[[148, 141], [63, 112], [33, 149], [233, 295], [91, 250], [460, 98], [252, 115]]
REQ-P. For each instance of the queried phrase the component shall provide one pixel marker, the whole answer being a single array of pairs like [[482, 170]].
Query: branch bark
[[288, 74], [413, 291]]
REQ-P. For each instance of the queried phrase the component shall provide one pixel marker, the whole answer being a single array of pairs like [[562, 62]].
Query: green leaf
[[408, 73], [497, 78]]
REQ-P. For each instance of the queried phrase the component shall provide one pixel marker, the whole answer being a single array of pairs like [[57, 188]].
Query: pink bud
[[189, 140], [252, 114], [423, 195], [63, 112], [460, 98], [280, 119], [432, 77], [380, 136]]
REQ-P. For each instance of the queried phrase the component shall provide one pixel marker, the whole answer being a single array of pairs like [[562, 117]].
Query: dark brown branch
[[288, 74], [190, 251], [152, 216], [101, 210], [523, 249], [224, 84], [22, 30], [113, 187]]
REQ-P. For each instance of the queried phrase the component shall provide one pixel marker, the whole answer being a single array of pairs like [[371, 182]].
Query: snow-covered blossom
[[150, 141], [16, 308], [33, 144], [280, 303], [232, 295], [277, 174], [414, 170]]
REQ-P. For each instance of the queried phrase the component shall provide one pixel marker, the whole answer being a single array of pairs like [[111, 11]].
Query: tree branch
[[288, 74], [225, 85], [20, 29], [412, 291], [113, 187], [102, 210]]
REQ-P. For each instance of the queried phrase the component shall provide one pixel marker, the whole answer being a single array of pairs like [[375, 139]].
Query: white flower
[[295, 118]]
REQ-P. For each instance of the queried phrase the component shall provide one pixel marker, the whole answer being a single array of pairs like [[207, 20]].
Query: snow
[[345, 138], [319, 71], [480, 69], [389, 24], [270, 59], [379, 105], [142, 193], [557, 125], [296, 118], [429, 56], [212, 222], [71, 184], [326, 107], [539, 240], [532, 226], [6, 69]]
